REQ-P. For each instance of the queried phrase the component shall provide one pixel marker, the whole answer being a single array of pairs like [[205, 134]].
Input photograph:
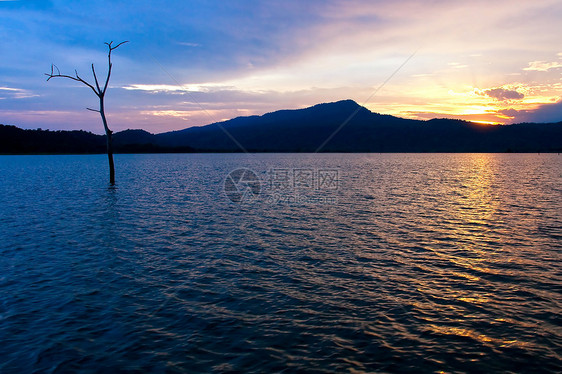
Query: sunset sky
[[191, 63]]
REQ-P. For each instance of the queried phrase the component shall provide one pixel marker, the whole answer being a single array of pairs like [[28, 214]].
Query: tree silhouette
[[100, 93]]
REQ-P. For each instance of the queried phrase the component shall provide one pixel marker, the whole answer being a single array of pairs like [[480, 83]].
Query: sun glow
[[495, 105]]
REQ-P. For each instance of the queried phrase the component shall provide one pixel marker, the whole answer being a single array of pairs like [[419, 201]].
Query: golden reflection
[[469, 210], [467, 276], [474, 300], [468, 333], [468, 263], [472, 201], [452, 294]]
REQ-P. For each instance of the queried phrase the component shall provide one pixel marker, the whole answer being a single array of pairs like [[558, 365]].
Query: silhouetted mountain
[[140, 141], [342, 126], [14, 140], [345, 126], [133, 137]]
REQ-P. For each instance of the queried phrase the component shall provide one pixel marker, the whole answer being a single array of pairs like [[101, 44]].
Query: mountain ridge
[[342, 126]]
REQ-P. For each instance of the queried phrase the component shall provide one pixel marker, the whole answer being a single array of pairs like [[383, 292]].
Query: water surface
[[409, 262]]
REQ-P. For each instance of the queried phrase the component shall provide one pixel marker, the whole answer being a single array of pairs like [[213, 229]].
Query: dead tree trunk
[[108, 136], [100, 93]]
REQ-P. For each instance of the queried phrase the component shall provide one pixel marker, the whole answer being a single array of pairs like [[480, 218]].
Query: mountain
[[140, 141], [342, 126], [282, 131], [345, 126], [14, 140]]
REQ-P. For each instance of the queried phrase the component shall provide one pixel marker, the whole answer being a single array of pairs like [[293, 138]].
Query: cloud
[[502, 94], [457, 65], [551, 112], [15, 93], [156, 88], [188, 44], [510, 113], [178, 89], [260, 56], [542, 66]]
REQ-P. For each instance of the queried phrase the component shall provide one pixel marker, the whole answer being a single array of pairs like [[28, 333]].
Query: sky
[[194, 62]]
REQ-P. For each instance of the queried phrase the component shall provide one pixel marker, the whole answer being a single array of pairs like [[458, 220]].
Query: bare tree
[[100, 93]]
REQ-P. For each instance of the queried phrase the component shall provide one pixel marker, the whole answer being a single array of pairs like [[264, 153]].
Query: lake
[[281, 262]]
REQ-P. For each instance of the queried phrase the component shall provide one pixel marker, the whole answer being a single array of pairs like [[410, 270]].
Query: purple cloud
[[545, 113], [503, 94]]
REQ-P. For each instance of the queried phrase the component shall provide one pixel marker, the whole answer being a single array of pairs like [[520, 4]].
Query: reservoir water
[[281, 262]]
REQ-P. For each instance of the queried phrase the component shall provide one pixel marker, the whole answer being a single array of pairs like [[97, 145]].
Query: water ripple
[[425, 263]]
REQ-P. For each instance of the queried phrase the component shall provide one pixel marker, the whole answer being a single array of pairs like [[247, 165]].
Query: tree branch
[[110, 65], [96, 80], [76, 78], [97, 89], [94, 110], [108, 75], [117, 46]]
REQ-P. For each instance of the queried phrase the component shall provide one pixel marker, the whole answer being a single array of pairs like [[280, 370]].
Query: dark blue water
[[329, 263]]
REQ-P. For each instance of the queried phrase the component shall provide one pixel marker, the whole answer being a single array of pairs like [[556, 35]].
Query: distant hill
[[343, 126], [14, 140], [319, 128]]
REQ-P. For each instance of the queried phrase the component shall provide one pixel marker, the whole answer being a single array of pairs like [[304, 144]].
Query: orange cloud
[[542, 66]]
